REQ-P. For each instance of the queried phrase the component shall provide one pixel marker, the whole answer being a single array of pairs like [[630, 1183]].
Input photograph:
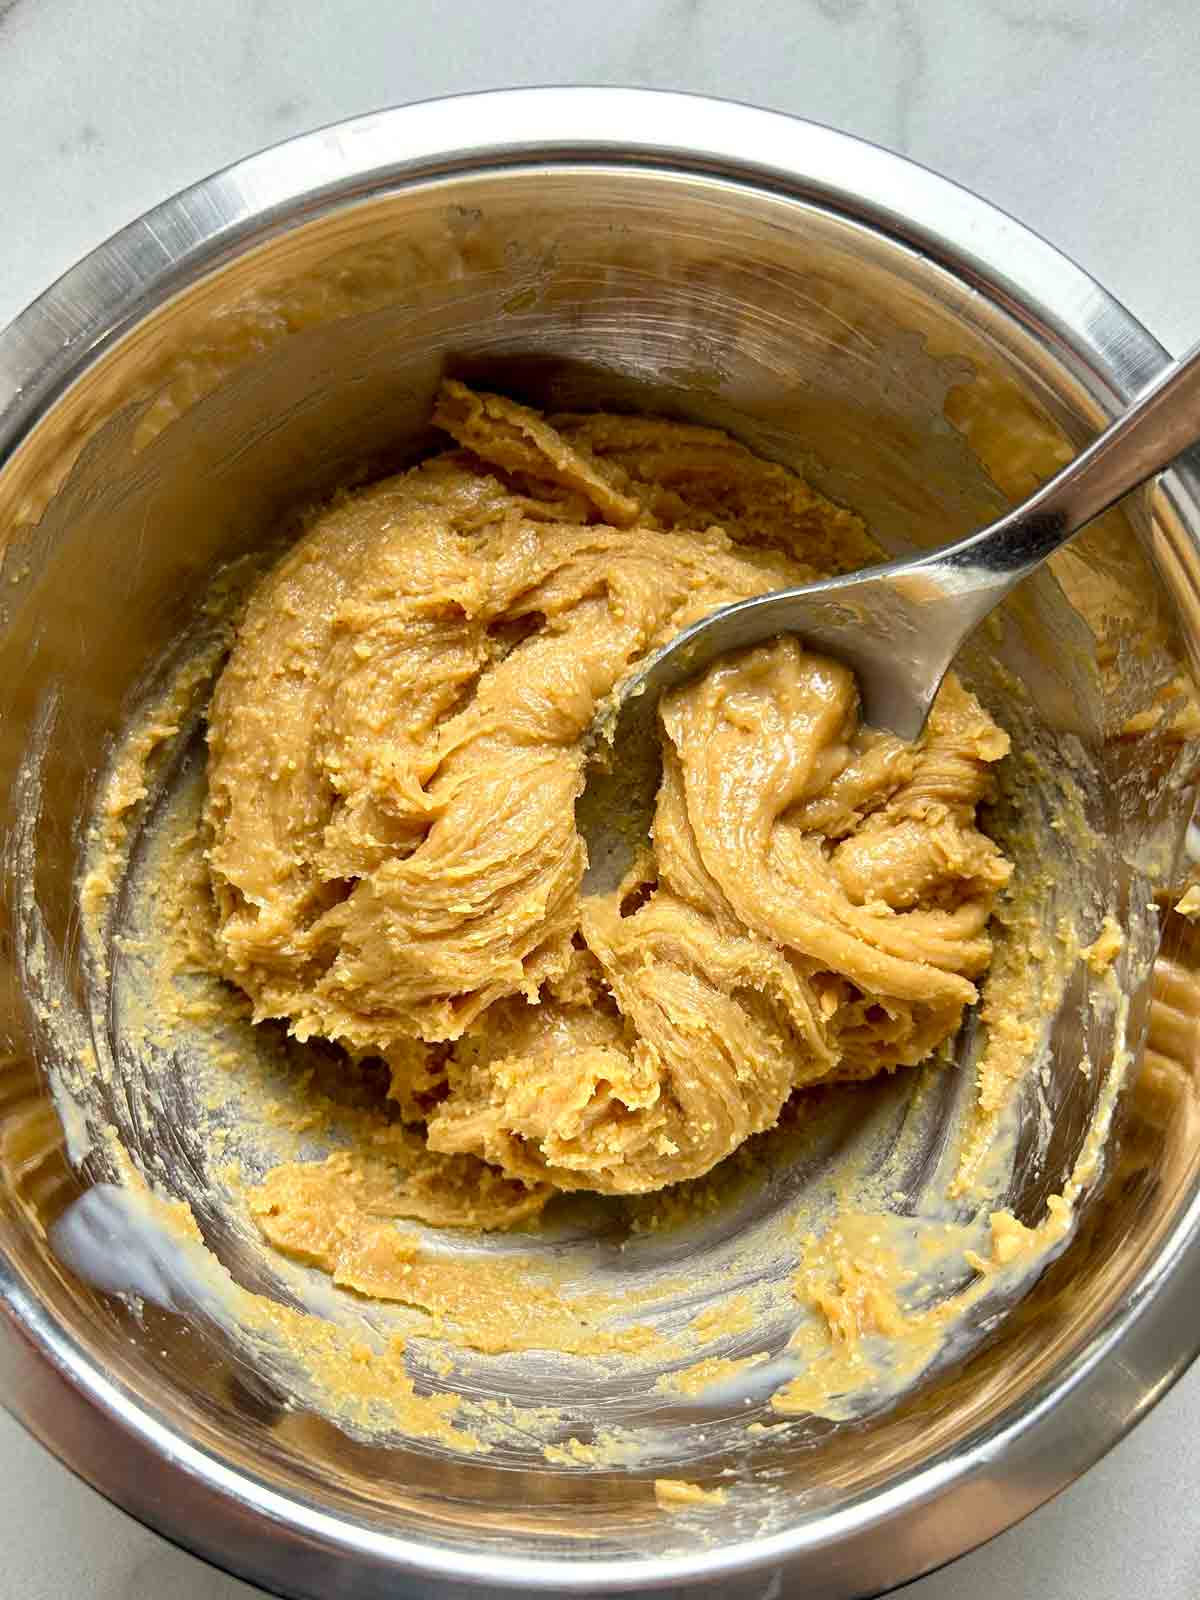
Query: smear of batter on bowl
[[674, 1494], [395, 748], [370, 880]]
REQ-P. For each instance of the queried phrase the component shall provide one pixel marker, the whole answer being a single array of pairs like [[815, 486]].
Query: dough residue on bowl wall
[[345, 943]]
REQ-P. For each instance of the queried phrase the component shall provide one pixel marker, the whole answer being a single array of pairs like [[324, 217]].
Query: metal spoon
[[898, 626]]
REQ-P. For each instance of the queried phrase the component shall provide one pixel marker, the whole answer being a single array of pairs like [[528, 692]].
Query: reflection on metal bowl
[[278, 331]]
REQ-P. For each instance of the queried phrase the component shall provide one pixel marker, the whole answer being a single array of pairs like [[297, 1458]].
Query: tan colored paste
[[395, 748], [677, 1494]]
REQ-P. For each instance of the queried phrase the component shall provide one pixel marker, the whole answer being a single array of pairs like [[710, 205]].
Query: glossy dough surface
[[394, 756]]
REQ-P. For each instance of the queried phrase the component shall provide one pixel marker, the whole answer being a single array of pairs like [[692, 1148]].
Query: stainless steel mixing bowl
[[263, 336]]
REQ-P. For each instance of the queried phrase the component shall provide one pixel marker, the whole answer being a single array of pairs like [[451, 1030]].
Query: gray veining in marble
[[1049, 109]]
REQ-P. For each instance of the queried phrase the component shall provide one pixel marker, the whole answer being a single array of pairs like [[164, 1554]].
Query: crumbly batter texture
[[395, 749]]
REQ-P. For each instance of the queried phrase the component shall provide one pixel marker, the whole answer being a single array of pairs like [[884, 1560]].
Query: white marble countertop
[[1072, 114]]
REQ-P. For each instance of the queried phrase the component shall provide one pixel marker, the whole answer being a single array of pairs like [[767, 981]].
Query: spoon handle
[[1162, 421]]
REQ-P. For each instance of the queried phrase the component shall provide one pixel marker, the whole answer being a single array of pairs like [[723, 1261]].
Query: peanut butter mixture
[[395, 748]]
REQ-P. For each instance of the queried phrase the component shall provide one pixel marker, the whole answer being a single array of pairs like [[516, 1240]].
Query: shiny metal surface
[[898, 626], [254, 341]]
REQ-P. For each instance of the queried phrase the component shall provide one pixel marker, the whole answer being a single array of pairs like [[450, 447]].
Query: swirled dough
[[395, 752]]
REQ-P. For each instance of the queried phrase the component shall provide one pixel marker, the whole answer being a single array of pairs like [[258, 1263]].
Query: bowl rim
[[120, 1445]]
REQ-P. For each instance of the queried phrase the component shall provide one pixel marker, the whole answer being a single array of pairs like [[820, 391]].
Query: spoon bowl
[[898, 626]]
